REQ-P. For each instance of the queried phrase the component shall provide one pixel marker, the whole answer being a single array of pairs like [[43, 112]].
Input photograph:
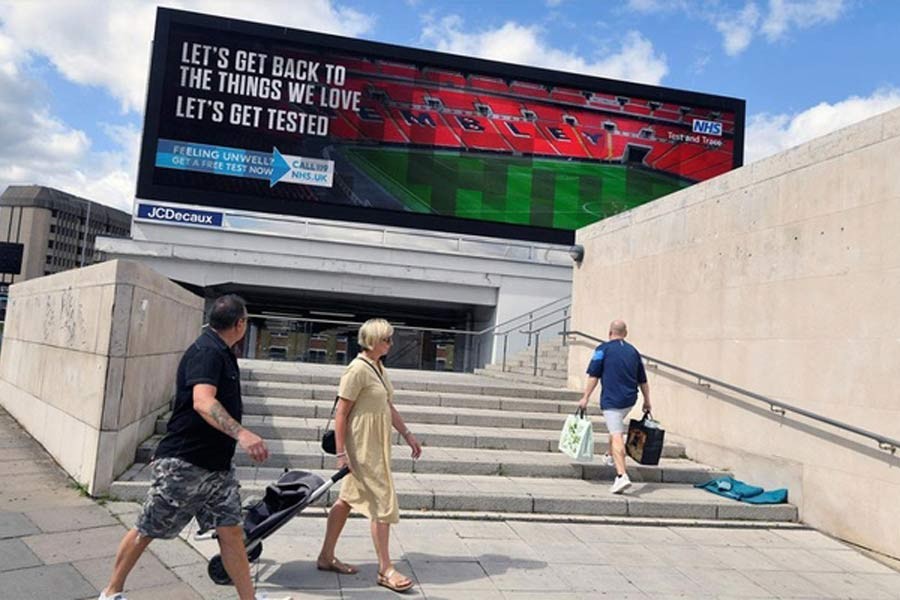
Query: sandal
[[394, 580], [338, 567]]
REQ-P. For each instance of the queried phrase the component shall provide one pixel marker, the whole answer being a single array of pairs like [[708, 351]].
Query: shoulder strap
[[336, 398], [377, 374]]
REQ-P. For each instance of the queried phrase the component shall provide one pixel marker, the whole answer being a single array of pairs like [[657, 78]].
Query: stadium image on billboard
[[255, 117]]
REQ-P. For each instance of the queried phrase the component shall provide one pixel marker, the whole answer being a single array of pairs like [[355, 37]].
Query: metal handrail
[[493, 330], [530, 312], [885, 443], [537, 340], [432, 329]]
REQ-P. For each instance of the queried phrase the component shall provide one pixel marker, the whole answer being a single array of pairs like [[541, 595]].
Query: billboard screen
[[263, 118]]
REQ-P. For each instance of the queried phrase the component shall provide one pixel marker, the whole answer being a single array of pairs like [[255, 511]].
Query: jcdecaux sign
[[183, 216]]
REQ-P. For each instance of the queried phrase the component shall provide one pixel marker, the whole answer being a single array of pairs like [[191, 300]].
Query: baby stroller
[[294, 491]]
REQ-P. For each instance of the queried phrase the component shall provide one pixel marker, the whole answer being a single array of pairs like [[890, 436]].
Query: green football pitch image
[[545, 192]]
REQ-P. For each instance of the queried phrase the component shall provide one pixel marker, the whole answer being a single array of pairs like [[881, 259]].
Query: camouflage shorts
[[180, 491]]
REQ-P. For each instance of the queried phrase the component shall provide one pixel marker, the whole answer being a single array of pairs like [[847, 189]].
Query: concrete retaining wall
[[89, 359], [782, 277]]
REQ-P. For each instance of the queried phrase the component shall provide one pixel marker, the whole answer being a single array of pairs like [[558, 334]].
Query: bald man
[[618, 365]]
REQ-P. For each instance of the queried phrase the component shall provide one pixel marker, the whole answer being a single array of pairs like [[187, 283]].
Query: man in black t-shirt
[[193, 476]]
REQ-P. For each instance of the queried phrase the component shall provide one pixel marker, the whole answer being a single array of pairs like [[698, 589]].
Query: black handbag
[[645, 440], [329, 440]]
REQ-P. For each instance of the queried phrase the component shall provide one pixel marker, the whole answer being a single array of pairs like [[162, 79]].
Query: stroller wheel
[[216, 570], [255, 553]]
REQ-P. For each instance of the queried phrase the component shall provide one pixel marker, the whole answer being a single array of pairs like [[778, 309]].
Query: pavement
[[58, 544]]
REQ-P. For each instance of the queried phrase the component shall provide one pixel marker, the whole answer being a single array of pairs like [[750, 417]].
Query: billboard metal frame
[[148, 190]]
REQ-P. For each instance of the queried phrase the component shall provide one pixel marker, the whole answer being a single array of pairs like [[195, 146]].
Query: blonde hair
[[372, 331]]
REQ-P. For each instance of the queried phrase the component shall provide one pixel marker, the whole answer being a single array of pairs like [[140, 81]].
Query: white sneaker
[[117, 596], [607, 461], [621, 484]]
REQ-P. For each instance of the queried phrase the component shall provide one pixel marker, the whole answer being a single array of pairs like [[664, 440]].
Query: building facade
[[57, 230], [52, 225]]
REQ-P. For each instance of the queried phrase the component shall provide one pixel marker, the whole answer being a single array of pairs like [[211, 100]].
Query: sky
[[73, 73]]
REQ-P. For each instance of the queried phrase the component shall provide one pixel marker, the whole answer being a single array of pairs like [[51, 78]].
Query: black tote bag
[[645, 440]]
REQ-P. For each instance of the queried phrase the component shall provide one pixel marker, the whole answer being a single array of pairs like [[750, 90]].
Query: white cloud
[[737, 30], [635, 60], [105, 44], [553, 3], [768, 134], [97, 42], [739, 27], [656, 6], [787, 14]]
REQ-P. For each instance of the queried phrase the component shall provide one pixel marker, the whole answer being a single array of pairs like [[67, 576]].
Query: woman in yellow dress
[[363, 418]]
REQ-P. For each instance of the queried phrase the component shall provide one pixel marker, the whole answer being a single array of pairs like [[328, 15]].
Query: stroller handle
[[340, 474]]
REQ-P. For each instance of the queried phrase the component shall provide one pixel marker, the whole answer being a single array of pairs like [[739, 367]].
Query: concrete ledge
[[526, 499]]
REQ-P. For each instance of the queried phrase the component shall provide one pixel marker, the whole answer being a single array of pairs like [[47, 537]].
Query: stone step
[[458, 383], [415, 398], [297, 454], [441, 436], [438, 415], [498, 374], [544, 373], [520, 496], [559, 358]]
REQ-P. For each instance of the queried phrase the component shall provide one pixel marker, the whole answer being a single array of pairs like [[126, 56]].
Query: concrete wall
[[89, 359], [782, 277]]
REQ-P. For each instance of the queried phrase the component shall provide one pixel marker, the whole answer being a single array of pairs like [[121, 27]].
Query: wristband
[[406, 433], [339, 454]]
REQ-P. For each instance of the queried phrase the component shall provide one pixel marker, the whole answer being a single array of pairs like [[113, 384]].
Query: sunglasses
[[387, 340]]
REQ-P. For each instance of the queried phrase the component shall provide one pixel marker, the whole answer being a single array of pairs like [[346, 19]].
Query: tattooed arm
[[214, 413]]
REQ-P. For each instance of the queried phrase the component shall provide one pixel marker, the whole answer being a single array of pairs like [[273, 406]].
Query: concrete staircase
[[553, 360], [490, 447]]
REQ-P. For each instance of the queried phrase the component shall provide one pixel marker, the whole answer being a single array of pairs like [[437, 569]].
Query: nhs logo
[[707, 127], [180, 216]]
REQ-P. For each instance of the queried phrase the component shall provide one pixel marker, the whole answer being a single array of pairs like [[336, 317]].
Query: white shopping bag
[[577, 437]]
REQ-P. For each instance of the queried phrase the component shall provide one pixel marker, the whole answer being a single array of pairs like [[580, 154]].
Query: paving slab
[[14, 554], [59, 582], [52, 520], [148, 573], [57, 544], [16, 524]]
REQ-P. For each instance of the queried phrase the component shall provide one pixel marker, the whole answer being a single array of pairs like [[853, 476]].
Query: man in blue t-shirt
[[619, 366]]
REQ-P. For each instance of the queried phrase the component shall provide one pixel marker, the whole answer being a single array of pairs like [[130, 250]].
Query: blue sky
[[73, 72]]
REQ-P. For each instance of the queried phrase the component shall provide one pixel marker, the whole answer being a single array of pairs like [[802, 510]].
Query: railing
[[529, 319], [411, 342], [537, 337], [776, 406]]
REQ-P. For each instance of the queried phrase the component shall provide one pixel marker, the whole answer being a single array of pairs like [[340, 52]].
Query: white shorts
[[615, 419]]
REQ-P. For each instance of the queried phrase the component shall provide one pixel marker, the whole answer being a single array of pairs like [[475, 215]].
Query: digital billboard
[[263, 118]]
